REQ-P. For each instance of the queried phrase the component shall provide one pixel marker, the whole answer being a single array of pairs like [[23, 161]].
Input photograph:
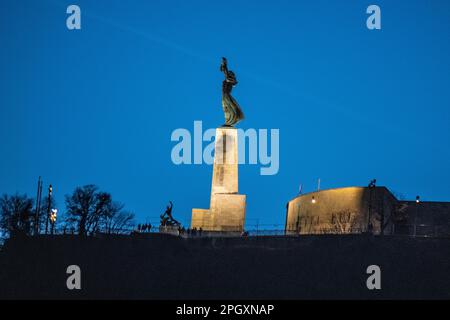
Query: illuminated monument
[[227, 207]]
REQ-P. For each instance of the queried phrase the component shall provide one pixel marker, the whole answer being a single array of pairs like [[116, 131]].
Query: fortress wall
[[160, 266], [436, 213], [428, 218], [342, 210]]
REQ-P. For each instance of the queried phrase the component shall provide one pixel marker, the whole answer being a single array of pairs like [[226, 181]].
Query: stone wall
[[424, 218], [161, 266], [227, 207], [341, 211]]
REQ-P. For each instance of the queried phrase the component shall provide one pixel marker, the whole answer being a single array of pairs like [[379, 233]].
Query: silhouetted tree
[[15, 214], [91, 211], [116, 220], [84, 207]]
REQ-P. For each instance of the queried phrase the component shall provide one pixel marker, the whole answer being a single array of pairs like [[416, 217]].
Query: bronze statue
[[231, 109], [167, 218]]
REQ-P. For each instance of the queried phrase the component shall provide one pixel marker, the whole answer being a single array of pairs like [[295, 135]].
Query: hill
[[159, 266]]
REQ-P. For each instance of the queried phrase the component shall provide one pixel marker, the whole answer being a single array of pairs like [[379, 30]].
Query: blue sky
[[98, 105]]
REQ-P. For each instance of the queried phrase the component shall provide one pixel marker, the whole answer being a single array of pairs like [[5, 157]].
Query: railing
[[419, 231], [407, 230]]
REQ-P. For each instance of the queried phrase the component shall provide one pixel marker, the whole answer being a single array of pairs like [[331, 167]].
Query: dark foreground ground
[[155, 266]]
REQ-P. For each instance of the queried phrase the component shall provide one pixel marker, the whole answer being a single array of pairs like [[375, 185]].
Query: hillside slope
[[155, 266]]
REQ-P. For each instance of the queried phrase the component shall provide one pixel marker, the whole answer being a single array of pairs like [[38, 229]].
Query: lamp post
[[415, 216], [372, 185], [53, 216], [38, 207], [50, 190]]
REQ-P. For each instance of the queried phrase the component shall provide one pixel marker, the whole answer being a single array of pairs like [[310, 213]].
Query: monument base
[[227, 207], [227, 214]]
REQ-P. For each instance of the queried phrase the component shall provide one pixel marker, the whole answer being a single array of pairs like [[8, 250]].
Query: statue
[[231, 109], [166, 217]]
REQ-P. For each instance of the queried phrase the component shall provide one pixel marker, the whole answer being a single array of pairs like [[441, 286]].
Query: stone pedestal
[[227, 207]]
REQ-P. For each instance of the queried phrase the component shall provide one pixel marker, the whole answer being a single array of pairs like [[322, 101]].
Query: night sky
[[98, 105]]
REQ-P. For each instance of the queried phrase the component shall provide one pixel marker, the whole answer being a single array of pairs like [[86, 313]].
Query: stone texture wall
[[423, 219], [341, 211], [227, 207]]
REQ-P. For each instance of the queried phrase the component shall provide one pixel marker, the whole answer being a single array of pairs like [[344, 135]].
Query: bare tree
[[15, 214], [343, 222], [116, 220], [91, 211], [83, 208]]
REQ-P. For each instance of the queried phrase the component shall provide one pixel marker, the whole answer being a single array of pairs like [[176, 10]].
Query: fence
[[259, 230], [419, 231]]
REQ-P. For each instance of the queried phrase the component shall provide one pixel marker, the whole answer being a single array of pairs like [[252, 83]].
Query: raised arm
[[224, 67]]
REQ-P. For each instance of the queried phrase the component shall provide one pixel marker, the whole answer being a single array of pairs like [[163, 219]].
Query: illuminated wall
[[342, 210]]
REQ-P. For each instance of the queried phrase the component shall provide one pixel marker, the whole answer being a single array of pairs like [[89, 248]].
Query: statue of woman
[[231, 109]]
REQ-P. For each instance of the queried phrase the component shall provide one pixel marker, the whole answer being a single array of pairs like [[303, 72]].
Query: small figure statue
[[167, 218], [231, 109]]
